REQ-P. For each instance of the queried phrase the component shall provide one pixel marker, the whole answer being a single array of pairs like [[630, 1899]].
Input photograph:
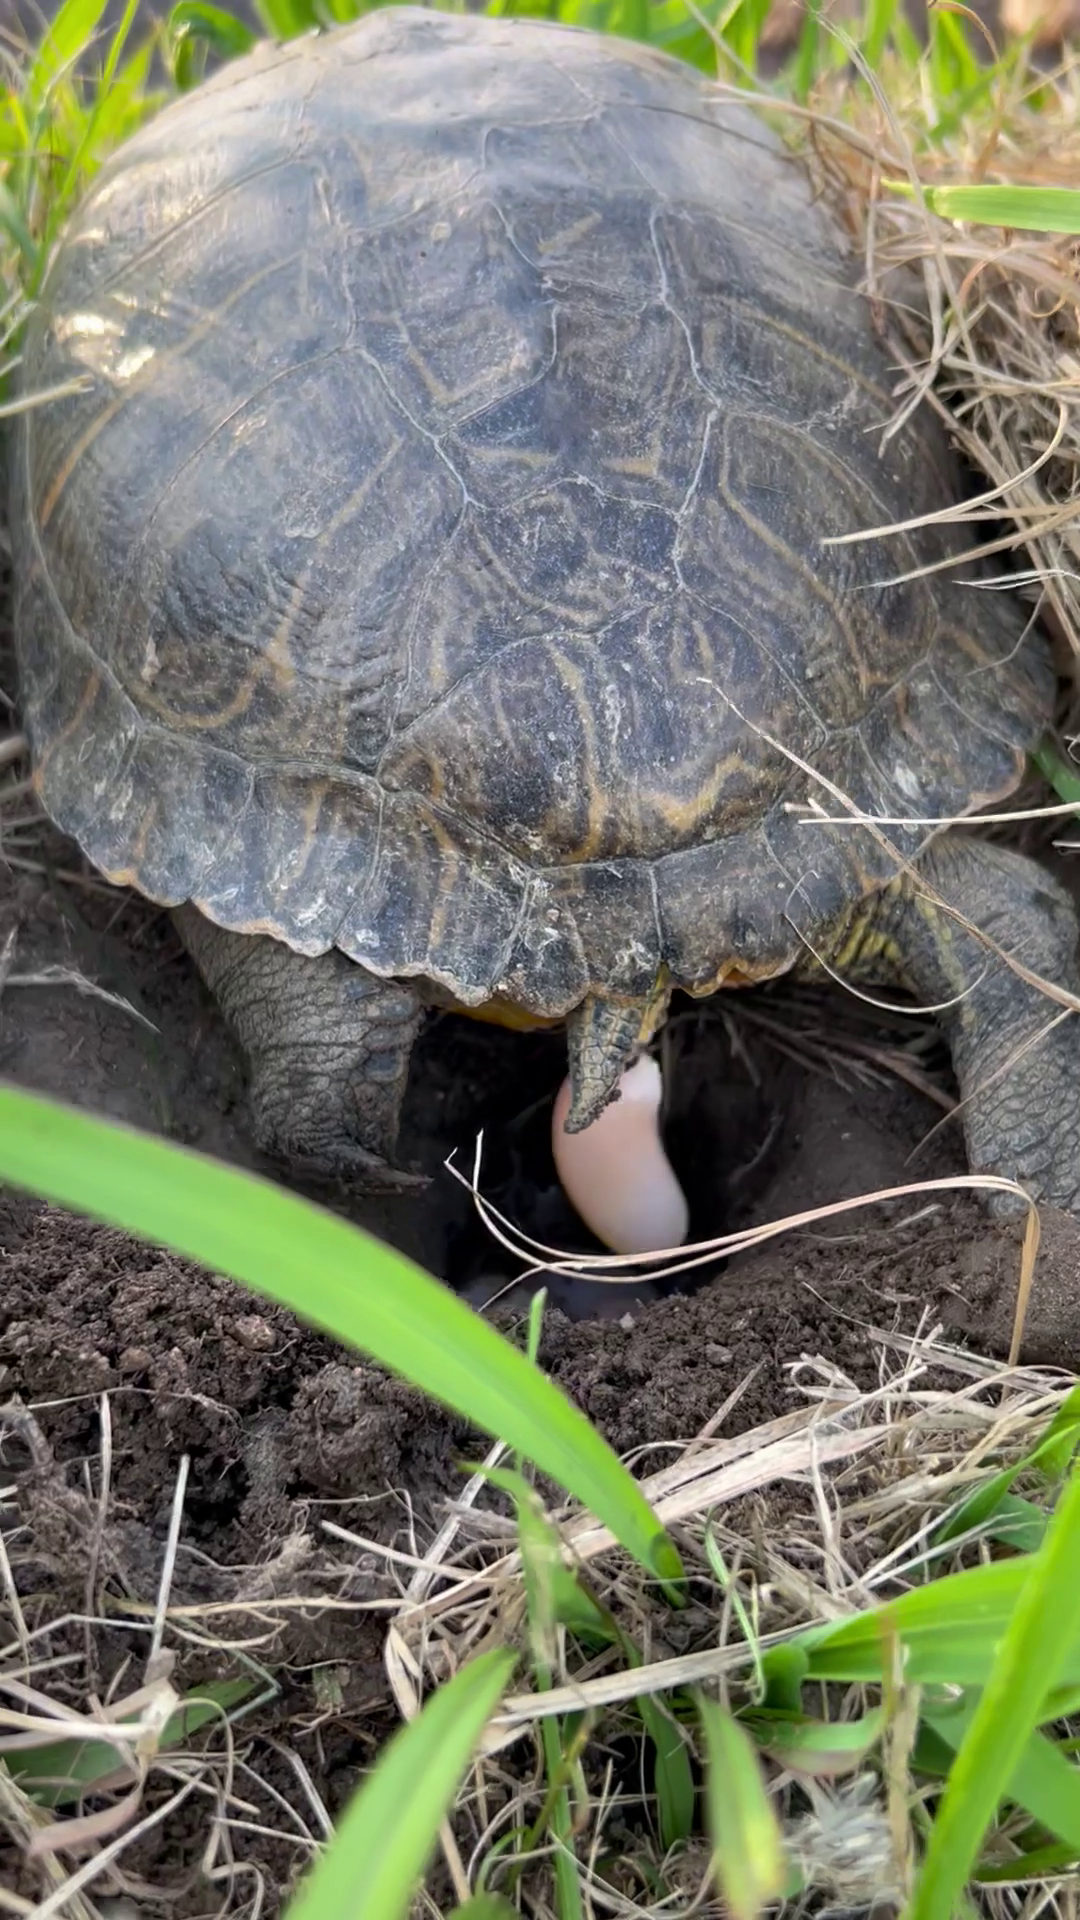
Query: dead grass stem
[[983, 322], [821, 1511]]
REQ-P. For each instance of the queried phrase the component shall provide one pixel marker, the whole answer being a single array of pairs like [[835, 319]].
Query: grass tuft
[[873, 1629]]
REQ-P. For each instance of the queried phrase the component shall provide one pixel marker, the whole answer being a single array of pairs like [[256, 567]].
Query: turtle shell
[[420, 543]]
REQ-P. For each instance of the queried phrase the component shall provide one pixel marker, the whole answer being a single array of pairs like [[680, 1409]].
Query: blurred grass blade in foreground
[[1044, 1781], [337, 1278], [1039, 1640], [387, 1833], [748, 1852]]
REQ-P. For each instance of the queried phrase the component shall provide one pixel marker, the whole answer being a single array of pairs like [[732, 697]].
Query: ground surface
[[283, 1431]]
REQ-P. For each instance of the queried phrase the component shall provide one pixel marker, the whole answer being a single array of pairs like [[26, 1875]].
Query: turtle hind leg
[[328, 1048], [1017, 1060]]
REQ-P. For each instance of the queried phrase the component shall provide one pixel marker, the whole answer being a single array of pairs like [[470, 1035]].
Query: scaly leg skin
[[328, 1046], [1021, 1116]]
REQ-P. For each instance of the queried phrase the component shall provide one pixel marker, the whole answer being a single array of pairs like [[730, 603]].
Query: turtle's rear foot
[[328, 1046], [1016, 1051]]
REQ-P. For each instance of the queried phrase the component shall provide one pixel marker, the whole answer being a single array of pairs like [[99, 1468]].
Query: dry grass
[[539, 1259], [983, 323], [814, 1515], [811, 1516], [116, 1669]]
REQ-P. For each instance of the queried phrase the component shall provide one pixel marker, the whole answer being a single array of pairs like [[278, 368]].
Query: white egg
[[616, 1173]]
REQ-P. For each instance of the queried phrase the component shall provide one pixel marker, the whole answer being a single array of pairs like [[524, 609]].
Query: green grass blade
[[535, 1331], [679, 31], [116, 48], [556, 1595], [1018, 1524], [676, 1796], [334, 1276], [1033, 1653], [195, 26], [102, 95], [68, 34], [826, 1749], [1063, 1703], [118, 114], [541, 1565], [558, 1598], [740, 23], [284, 19], [336, 13], [1038, 209], [1051, 1456], [979, 1508], [387, 1834], [13, 224], [60, 1774], [877, 26], [806, 62], [550, 1589], [743, 1613], [905, 40], [956, 114], [568, 1902], [228, 35], [783, 1670], [950, 1629], [950, 59], [1036, 1865], [748, 1850], [1043, 1782], [634, 20], [1062, 775]]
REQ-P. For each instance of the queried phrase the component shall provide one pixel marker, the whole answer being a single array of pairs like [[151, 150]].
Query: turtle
[[435, 584]]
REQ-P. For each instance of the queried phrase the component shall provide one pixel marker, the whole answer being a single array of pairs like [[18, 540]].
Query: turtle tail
[[602, 1038]]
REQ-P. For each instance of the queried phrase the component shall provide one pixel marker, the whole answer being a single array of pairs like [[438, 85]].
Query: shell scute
[[639, 436], [451, 315]]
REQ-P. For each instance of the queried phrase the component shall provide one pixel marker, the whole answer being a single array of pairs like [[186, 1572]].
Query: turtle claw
[[372, 1175], [351, 1167]]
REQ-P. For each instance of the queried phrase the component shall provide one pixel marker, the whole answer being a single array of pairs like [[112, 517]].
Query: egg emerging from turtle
[[615, 1172]]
